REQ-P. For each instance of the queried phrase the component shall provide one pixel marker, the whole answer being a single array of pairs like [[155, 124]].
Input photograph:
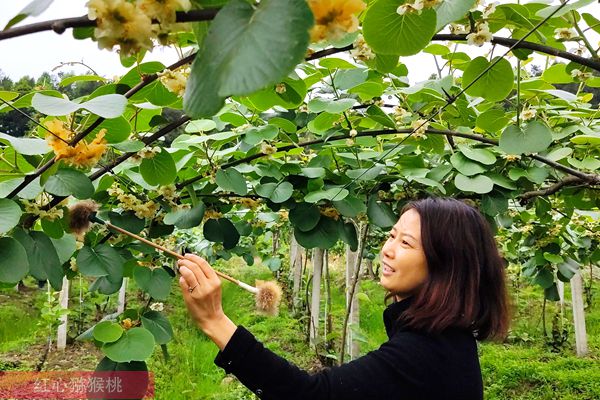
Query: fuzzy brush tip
[[79, 216], [268, 297]]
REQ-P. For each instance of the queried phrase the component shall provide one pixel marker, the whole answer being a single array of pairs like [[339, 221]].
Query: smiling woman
[[442, 267]]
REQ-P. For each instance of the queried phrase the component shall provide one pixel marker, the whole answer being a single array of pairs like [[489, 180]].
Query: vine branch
[[60, 25], [567, 181]]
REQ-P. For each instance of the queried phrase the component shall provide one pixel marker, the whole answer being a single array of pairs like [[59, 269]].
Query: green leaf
[[592, 22], [232, 181], [158, 325], [101, 260], [14, 265], [81, 78], [350, 206], [128, 221], [10, 214], [349, 236], [276, 192], [380, 214], [137, 344], [452, 10], [533, 138], [33, 9], [553, 258], [67, 181], [43, 258], [483, 156], [186, 218], [107, 332], [479, 183], [200, 125], [26, 146], [105, 106], [492, 120], [65, 247], [546, 12], [466, 166], [324, 235], [304, 216], [494, 84], [568, 268], [247, 48], [159, 170], [337, 193], [223, 231], [404, 35], [557, 73], [156, 282], [544, 278]]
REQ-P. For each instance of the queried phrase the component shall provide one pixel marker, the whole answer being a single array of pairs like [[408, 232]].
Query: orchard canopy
[[302, 111]]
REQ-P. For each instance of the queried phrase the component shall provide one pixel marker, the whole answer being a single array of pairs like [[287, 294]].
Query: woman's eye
[[405, 242]]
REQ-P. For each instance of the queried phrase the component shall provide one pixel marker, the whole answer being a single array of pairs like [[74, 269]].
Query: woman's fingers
[[188, 275], [206, 269]]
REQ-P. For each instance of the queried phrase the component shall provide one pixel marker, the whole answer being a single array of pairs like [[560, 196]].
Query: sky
[[33, 54]]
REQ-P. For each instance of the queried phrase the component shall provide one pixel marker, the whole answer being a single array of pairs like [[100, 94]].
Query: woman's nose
[[388, 249]]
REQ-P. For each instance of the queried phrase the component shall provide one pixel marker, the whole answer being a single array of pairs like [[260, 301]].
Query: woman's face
[[403, 262]]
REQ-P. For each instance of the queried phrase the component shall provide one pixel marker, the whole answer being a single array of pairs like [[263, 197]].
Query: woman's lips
[[386, 271]]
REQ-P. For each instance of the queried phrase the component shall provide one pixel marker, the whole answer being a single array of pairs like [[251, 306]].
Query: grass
[[526, 367]]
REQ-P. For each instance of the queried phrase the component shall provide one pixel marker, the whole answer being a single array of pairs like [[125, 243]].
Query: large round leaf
[[276, 192], [492, 120], [101, 260], [494, 84], [349, 236], [304, 216], [158, 325], [231, 180], [27, 146], [335, 193], [108, 332], [13, 261], [235, 60], [380, 214], [466, 166], [65, 247], [350, 206], [323, 236], [106, 106], [128, 221], [452, 10], [185, 219], [478, 183], [66, 182], [136, 386], [483, 156], [137, 344], [533, 138], [10, 213], [156, 282], [221, 230], [43, 258], [387, 32], [104, 286], [159, 170]]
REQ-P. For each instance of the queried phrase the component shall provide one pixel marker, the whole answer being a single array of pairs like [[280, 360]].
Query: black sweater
[[410, 365]]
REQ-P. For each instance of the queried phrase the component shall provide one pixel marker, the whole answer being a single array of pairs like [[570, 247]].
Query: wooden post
[[296, 262], [122, 292], [352, 345], [315, 299], [63, 299], [579, 315]]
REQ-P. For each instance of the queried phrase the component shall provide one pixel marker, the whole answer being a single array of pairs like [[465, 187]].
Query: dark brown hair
[[466, 285]]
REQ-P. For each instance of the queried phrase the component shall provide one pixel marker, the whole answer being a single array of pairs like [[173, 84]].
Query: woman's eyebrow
[[410, 236]]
